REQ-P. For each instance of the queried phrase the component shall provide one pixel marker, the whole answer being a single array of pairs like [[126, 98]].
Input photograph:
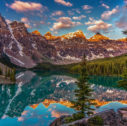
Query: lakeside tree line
[[111, 66], [8, 73]]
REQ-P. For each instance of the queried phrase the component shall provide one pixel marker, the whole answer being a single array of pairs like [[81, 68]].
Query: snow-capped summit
[[77, 34]]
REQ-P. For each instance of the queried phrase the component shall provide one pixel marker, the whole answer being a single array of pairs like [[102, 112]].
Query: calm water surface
[[37, 98]]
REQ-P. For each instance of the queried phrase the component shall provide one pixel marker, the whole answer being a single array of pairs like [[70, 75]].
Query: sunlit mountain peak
[[123, 39], [78, 34], [36, 32], [98, 37]]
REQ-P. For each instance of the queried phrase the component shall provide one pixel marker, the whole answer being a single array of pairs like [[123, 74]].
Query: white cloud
[[21, 6], [97, 25], [57, 13], [125, 1], [79, 18], [27, 25], [70, 12], [108, 14], [122, 20], [63, 23], [68, 4], [86, 7], [77, 11], [104, 5], [26, 22]]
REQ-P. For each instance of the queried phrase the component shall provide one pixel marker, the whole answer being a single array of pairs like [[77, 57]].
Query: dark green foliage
[[12, 75], [83, 94], [1, 71], [125, 32], [107, 66], [52, 67], [123, 83], [6, 73], [75, 116], [96, 121], [98, 33]]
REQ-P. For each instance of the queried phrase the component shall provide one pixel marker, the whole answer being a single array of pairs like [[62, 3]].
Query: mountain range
[[27, 49]]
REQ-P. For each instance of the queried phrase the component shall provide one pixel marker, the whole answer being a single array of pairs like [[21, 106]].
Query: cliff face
[[28, 49], [23, 48]]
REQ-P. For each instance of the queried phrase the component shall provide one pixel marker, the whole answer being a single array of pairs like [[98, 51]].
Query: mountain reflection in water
[[25, 103]]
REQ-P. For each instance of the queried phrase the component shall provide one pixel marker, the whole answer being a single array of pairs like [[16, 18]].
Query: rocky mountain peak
[[27, 49], [98, 37], [2, 22], [123, 39], [19, 28], [77, 34], [36, 32], [49, 36]]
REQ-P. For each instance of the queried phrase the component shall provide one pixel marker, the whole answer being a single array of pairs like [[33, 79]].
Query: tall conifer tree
[[123, 83], [83, 93]]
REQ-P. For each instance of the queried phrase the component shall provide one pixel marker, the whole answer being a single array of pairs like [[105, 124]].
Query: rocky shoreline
[[110, 118]]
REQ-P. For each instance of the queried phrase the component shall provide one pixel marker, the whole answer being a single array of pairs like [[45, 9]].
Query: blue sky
[[62, 16]]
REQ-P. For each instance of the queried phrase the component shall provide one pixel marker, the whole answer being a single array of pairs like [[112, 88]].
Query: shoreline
[[4, 80]]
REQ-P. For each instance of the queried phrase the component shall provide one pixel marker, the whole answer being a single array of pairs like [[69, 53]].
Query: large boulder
[[109, 117], [123, 116]]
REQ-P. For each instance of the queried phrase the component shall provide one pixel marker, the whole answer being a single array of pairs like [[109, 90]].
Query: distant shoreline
[[4, 80]]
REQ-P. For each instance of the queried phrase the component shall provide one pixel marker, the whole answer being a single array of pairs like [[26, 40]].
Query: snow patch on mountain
[[15, 59], [110, 49], [71, 35], [68, 57], [13, 37], [34, 45], [93, 56]]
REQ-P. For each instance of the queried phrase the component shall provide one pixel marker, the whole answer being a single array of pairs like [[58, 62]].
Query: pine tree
[[6, 73], [83, 93], [9, 73], [12, 75], [1, 71], [123, 83], [125, 32]]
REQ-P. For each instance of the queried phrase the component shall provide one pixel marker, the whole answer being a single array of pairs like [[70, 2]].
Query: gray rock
[[122, 114], [110, 118]]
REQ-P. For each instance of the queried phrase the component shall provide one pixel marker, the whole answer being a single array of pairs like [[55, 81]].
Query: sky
[[109, 17]]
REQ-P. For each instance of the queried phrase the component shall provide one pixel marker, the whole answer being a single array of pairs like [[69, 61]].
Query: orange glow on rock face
[[36, 32], [98, 37], [66, 103], [123, 39], [49, 36], [34, 106]]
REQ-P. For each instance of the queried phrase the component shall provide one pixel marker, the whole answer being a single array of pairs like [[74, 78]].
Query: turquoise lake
[[22, 104]]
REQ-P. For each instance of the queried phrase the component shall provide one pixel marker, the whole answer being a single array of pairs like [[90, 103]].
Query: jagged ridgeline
[[27, 50]]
